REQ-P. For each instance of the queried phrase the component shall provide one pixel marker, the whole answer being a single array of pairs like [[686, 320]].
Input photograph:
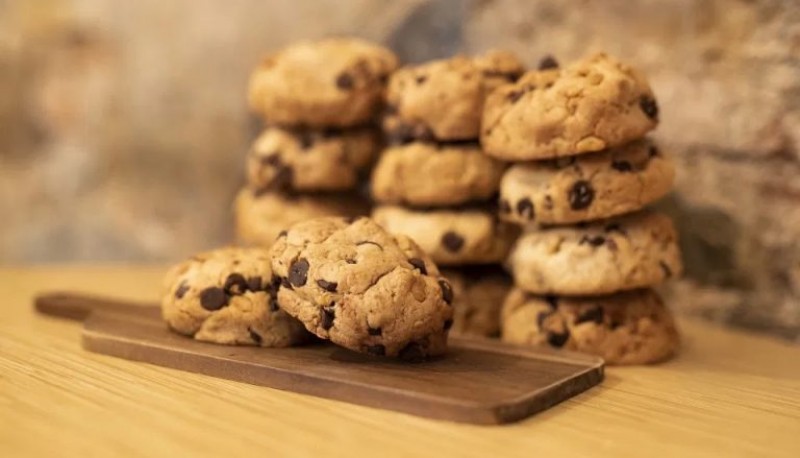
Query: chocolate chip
[[254, 284], [213, 298], [614, 227], [350, 261], [653, 151], [255, 336], [525, 208], [419, 264], [452, 241], [412, 353], [621, 166], [615, 325], [541, 317], [329, 286], [298, 272], [505, 207], [282, 233], [665, 268], [326, 320], [557, 340], [421, 79], [448, 324], [513, 96], [374, 331], [235, 284], [581, 195], [447, 291], [273, 304], [594, 315], [551, 300], [306, 140], [283, 178], [376, 350], [649, 107], [345, 81], [285, 283], [548, 62], [593, 241], [182, 289]]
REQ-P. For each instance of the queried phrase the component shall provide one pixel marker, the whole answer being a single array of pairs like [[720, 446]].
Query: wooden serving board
[[477, 381]]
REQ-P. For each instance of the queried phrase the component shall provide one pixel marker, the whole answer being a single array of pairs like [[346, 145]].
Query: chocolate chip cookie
[[260, 217], [603, 257], [425, 174], [336, 82], [478, 294], [226, 297], [451, 236], [443, 99], [594, 104], [306, 160], [353, 283], [632, 327], [587, 187]]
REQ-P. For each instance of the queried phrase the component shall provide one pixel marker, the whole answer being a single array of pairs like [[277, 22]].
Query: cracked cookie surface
[[336, 82], [443, 99], [305, 160], [632, 327], [594, 104], [478, 294], [352, 282], [424, 174], [260, 218], [603, 257], [451, 236], [226, 297], [587, 187]]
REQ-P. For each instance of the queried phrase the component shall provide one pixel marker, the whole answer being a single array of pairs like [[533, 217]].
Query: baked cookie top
[[631, 327], [261, 217], [334, 82], [225, 296], [352, 282], [310, 160], [443, 99], [452, 236], [603, 257], [593, 104], [426, 174], [587, 187]]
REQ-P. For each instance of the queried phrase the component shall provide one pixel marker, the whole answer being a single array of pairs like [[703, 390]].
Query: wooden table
[[728, 394]]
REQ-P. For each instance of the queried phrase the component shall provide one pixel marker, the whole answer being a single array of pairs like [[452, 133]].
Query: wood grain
[[482, 382], [727, 394]]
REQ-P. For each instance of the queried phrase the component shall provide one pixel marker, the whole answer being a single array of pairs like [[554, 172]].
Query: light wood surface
[[727, 394]]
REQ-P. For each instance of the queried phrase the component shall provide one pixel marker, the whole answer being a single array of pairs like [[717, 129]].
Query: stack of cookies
[[435, 184], [319, 101], [585, 265]]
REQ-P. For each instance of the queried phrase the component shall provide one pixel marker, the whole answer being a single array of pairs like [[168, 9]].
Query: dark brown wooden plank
[[478, 381]]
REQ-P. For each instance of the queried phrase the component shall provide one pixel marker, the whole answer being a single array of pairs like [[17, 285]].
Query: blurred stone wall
[[123, 125]]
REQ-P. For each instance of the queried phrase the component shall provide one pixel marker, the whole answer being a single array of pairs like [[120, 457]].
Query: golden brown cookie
[[478, 295]]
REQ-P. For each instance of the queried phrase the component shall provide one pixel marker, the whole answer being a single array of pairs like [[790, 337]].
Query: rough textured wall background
[[123, 125]]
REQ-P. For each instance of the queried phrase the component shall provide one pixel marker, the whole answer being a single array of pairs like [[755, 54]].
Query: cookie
[[632, 327], [443, 99], [425, 174], [478, 294], [336, 82], [603, 257], [306, 160], [226, 297], [451, 236], [587, 187], [260, 217], [594, 104], [355, 284]]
